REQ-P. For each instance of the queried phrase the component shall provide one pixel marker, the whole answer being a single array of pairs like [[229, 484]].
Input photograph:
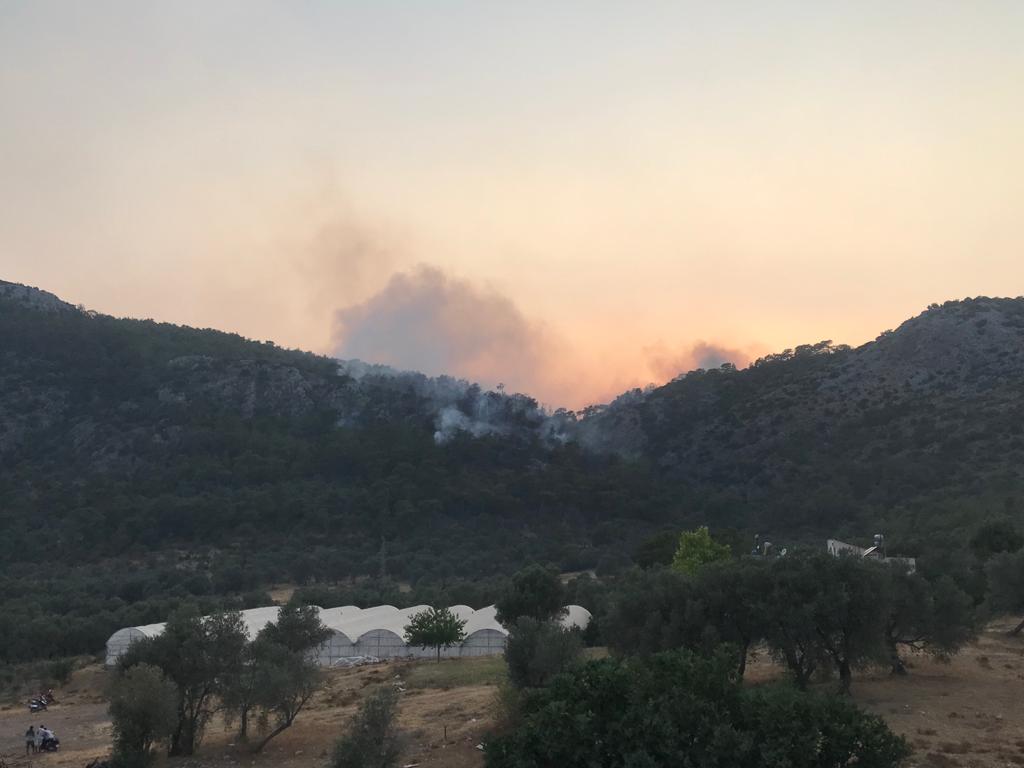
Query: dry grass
[[962, 713], [965, 714], [458, 673]]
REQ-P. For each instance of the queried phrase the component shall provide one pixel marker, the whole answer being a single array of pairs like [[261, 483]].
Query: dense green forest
[[144, 463]]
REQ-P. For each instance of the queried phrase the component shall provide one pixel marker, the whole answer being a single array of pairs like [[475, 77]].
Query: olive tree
[[199, 655]]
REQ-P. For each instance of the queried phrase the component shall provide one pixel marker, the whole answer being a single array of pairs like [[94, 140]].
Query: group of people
[[39, 740]]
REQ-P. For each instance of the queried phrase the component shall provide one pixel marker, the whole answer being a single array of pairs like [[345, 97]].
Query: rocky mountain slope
[[126, 434], [931, 413]]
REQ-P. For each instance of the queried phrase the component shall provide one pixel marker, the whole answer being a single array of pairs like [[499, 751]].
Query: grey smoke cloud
[[426, 320], [667, 364]]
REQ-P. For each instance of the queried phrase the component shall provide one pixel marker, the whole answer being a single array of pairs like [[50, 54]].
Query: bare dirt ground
[[444, 714], [968, 713]]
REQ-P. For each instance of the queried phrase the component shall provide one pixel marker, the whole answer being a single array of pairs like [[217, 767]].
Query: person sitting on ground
[[30, 741]]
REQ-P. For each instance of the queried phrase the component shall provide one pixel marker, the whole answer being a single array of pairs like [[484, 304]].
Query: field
[[965, 713]]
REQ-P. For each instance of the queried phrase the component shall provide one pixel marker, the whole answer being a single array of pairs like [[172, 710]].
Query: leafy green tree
[[239, 692], [824, 610], [199, 655], [685, 709], [435, 628], [697, 548], [936, 617], [790, 608], [732, 600], [536, 651], [372, 739], [850, 612], [651, 611], [534, 591], [279, 675], [996, 536], [659, 549], [297, 628], [1005, 573], [143, 712], [284, 682]]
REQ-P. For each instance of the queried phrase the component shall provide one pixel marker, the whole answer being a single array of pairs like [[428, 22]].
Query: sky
[[569, 198]]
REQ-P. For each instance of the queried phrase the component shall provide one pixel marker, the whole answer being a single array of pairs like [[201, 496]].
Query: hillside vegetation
[[919, 432], [143, 463]]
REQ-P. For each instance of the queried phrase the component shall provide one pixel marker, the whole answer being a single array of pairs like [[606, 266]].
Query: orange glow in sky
[[570, 198]]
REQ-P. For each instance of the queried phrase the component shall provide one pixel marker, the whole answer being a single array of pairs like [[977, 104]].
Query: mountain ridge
[[818, 439]]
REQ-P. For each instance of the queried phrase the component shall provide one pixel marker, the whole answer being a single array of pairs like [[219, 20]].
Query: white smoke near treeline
[[436, 336], [457, 405]]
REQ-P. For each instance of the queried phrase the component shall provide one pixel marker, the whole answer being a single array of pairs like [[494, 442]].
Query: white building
[[838, 548]]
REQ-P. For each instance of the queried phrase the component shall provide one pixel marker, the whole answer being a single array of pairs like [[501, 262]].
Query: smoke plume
[[666, 364], [426, 320]]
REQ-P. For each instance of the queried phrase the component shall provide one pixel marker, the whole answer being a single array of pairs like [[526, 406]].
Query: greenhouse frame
[[376, 632]]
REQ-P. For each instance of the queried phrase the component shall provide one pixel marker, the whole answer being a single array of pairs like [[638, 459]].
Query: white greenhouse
[[377, 631]]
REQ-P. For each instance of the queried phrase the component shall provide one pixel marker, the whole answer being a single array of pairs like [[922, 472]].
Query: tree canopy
[[680, 708], [535, 591], [436, 628], [697, 548]]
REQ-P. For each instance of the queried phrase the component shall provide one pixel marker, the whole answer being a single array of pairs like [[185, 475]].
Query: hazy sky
[[568, 197]]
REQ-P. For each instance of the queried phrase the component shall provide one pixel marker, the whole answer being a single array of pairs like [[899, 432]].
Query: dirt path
[[79, 720]]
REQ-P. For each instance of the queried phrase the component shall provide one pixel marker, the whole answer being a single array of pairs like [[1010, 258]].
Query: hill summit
[[128, 435]]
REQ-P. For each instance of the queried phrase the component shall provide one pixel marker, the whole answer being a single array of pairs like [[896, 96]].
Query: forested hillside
[[920, 432], [141, 460]]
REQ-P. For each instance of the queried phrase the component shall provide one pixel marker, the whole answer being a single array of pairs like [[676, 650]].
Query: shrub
[[799, 729], [372, 739], [539, 650], [682, 709], [61, 670], [143, 713]]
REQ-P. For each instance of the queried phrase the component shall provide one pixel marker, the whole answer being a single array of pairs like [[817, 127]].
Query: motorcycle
[[50, 745], [36, 705]]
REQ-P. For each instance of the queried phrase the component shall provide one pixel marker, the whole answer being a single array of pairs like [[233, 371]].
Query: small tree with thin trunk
[[284, 682], [143, 712], [279, 675], [435, 628]]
